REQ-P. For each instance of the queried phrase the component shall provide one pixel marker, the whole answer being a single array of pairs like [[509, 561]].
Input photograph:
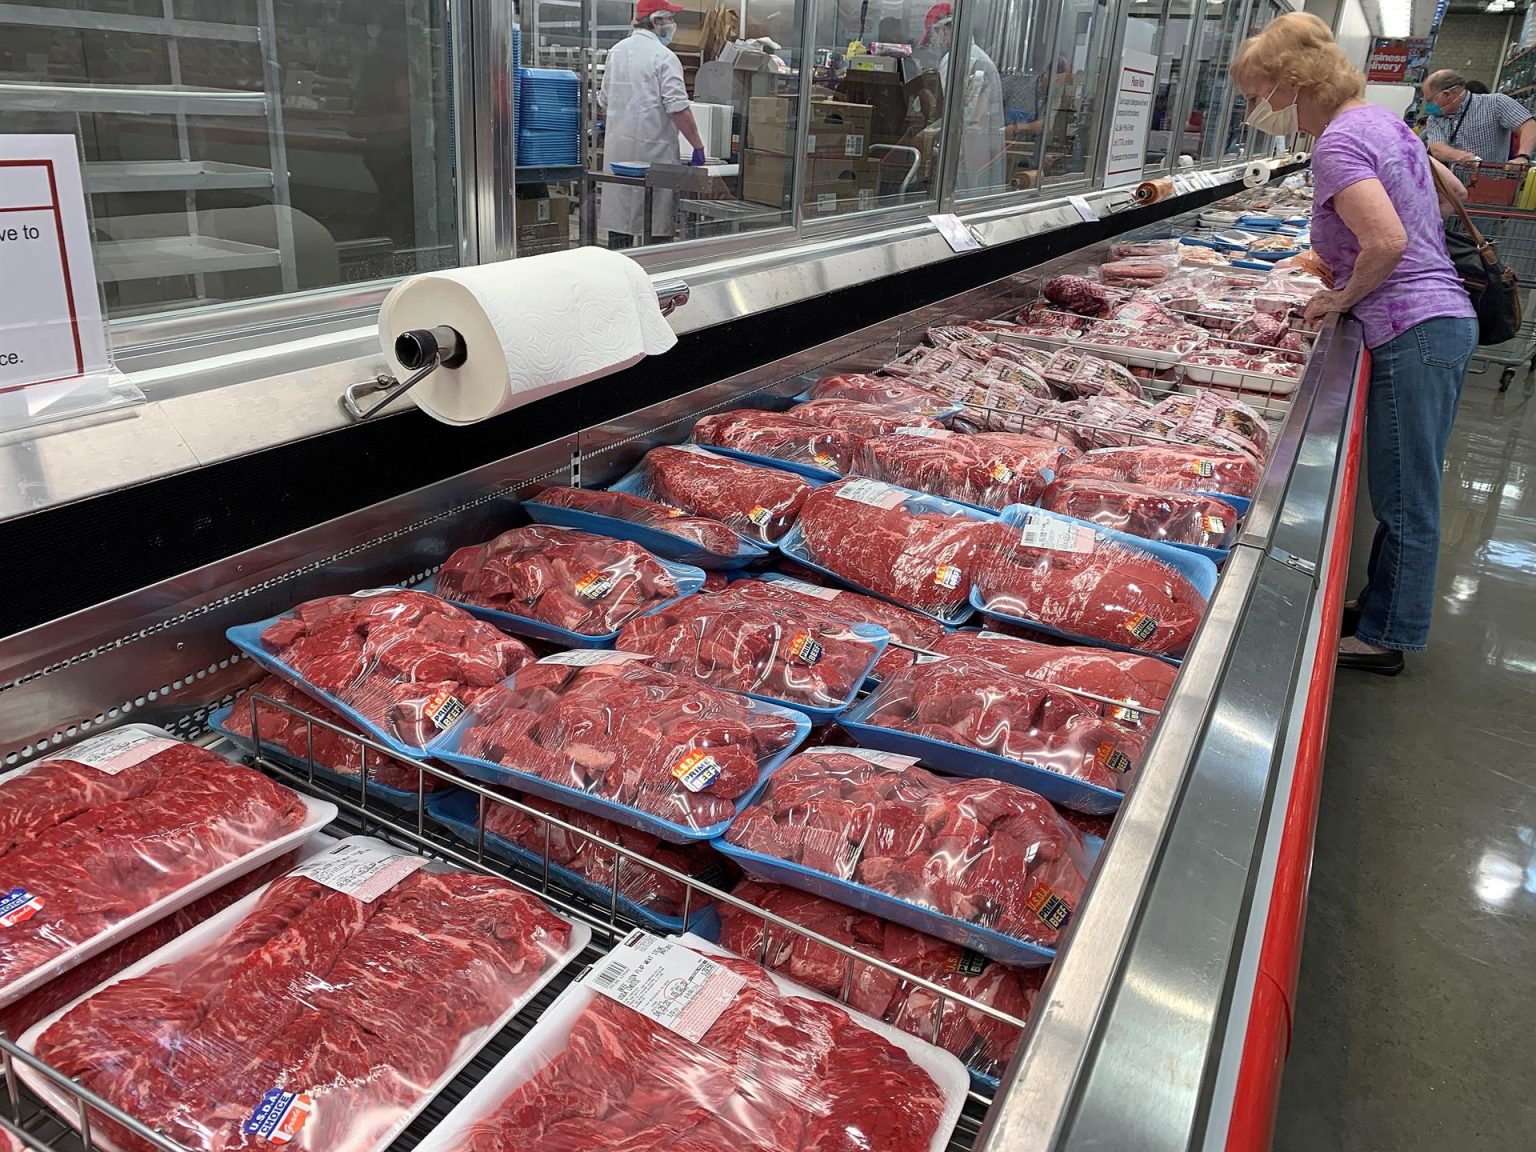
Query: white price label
[[874, 493], [363, 870], [1055, 535], [853, 145], [678, 988], [924, 433], [115, 751], [872, 755], [816, 591], [588, 657]]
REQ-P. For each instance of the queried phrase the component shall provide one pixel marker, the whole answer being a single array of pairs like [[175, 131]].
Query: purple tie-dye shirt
[[1373, 143]]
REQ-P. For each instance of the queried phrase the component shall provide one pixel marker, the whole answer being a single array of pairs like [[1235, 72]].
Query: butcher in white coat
[[982, 164], [646, 105]]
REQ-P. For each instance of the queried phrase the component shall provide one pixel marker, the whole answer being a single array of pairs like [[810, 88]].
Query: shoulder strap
[[1465, 108], [1484, 248]]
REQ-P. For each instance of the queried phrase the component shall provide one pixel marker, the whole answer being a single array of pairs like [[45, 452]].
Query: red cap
[[941, 11], [645, 9]]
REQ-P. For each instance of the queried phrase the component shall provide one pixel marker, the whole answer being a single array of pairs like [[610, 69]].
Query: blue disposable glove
[[698, 158]]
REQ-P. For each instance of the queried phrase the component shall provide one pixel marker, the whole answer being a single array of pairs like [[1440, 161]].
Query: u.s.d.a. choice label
[[363, 871], [280, 1116], [681, 990], [115, 751], [17, 906]]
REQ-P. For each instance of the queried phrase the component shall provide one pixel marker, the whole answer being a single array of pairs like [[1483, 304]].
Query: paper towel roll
[[1256, 175], [1151, 191], [531, 328]]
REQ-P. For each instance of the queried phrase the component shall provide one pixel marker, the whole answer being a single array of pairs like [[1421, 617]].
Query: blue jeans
[[1415, 386]]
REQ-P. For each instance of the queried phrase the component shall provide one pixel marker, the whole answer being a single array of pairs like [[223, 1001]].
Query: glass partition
[[1010, 34], [1163, 29], [1078, 91], [1222, 28], [238, 149]]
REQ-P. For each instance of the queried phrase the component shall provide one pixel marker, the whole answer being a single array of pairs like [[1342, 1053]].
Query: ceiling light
[[1396, 18]]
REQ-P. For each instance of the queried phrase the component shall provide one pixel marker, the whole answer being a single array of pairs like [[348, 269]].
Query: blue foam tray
[[1196, 569], [809, 471], [459, 811], [446, 748], [652, 539], [689, 580]]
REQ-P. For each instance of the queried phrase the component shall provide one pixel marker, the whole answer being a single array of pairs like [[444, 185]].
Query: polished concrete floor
[[1416, 1011]]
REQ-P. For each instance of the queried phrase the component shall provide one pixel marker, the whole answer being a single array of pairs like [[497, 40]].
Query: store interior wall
[[1474, 43]]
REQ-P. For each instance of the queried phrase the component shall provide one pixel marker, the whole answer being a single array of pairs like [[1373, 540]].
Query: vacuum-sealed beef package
[[1170, 466], [789, 438], [761, 503], [1152, 513], [986, 469], [662, 529]]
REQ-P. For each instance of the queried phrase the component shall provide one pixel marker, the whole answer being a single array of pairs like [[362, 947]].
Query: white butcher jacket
[[642, 87]]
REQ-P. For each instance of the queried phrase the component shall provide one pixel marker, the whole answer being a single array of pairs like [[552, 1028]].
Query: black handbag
[[1494, 289]]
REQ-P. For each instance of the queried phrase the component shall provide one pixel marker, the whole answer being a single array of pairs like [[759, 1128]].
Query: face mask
[[1433, 109], [1265, 117], [666, 32]]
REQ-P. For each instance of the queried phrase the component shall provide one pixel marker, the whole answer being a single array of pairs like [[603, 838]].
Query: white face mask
[[665, 32], [1276, 121]]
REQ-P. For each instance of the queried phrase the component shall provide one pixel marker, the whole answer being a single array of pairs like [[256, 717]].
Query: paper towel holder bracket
[[422, 349]]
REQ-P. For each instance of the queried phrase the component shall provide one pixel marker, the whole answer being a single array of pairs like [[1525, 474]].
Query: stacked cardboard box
[[543, 224], [839, 173]]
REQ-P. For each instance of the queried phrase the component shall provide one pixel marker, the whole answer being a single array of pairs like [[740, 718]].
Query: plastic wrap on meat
[[1134, 272], [760, 503], [1207, 414], [1174, 339], [909, 628], [1152, 513], [1092, 423], [774, 1072], [580, 854], [290, 733], [1172, 467], [798, 652], [660, 744], [84, 846], [710, 535], [1077, 294], [922, 559], [991, 469], [564, 577], [1105, 591], [1123, 676], [1083, 375], [784, 436], [992, 405], [317, 993], [1265, 329], [964, 700], [1129, 249], [981, 851], [1049, 321], [983, 1042], [407, 662], [1246, 360], [884, 391], [859, 418]]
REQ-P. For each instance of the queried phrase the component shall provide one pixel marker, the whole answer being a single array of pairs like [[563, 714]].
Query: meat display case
[[1165, 1020]]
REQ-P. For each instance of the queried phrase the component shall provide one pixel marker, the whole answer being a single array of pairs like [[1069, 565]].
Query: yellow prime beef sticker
[[696, 770]]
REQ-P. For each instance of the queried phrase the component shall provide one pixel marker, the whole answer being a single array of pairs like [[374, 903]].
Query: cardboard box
[[766, 179], [837, 128], [543, 221]]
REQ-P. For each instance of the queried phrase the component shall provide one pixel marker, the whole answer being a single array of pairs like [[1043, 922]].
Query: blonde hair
[[1298, 51]]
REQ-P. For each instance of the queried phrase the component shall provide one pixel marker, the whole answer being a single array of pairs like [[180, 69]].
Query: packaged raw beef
[[985, 1043], [404, 665], [1077, 294], [1208, 412], [562, 584], [760, 503], [1092, 584], [297, 1016], [623, 740], [1153, 343], [1151, 513], [662, 529], [909, 630], [916, 550], [971, 702], [788, 437], [108, 836], [1079, 374], [749, 1063], [16, 1018], [995, 406], [796, 652], [1136, 272], [884, 391], [1111, 675], [581, 863], [1170, 466], [1096, 422], [860, 417], [292, 739], [1129, 249], [980, 863], [988, 469]]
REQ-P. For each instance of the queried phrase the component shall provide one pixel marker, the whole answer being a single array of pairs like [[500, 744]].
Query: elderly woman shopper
[[1377, 225]]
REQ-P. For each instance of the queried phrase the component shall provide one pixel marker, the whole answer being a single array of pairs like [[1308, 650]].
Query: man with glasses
[[1464, 126]]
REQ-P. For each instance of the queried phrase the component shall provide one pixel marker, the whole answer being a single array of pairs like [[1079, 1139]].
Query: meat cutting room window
[[1085, 37], [1222, 27], [1178, 120], [238, 149]]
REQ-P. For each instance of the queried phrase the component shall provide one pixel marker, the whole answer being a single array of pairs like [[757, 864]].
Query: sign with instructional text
[[1130, 118]]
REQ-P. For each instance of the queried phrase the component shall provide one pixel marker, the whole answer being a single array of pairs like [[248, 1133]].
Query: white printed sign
[[115, 751], [673, 985], [1130, 118], [50, 311]]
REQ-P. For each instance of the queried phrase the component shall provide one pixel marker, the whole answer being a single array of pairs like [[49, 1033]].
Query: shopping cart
[[1513, 233]]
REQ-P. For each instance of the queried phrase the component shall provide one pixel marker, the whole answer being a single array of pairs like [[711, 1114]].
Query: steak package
[[980, 863], [760, 503], [1139, 682], [606, 733], [402, 665], [917, 550], [729, 1058], [1093, 584], [1185, 518], [796, 652], [985, 469], [583, 865], [861, 418], [290, 739], [1170, 466], [1030, 729], [108, 836], [562, 584], [297, 1016], [884, 391], [1081, 375], [983, 1042], [662, 529], [788, 438]]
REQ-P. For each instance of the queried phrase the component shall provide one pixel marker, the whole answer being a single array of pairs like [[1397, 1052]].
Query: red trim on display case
[[1268, 1039]]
